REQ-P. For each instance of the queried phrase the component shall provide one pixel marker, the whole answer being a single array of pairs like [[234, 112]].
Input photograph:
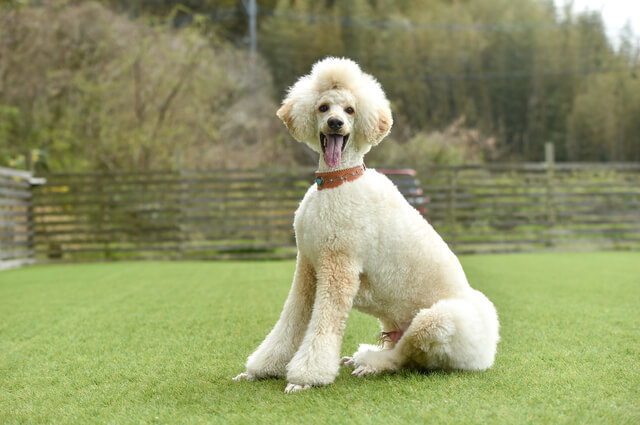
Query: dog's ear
[[297, 112], [294, 113], [373, 112], [373, 121], [380, 124], [384, 124], [284, 113]]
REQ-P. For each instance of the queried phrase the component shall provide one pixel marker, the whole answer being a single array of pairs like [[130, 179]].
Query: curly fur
[[337, 80], [362, 245]]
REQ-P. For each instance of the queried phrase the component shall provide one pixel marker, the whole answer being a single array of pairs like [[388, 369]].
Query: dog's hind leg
[[389, 337], [371, 359], [275, 352], [451, 334], [425, 332]]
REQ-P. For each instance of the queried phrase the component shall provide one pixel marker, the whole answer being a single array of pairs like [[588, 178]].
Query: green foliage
[[99, 91], [603, 124], [514, 70], [8, 123], [146, 343], [456, 145]]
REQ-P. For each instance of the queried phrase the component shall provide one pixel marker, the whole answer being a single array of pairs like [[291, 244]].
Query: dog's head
[[336, 108]]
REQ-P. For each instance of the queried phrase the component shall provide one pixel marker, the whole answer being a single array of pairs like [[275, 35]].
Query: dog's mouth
[[332, 147]]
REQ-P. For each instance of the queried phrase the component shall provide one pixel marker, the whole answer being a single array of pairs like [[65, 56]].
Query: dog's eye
[[349, 110], [323, 108]]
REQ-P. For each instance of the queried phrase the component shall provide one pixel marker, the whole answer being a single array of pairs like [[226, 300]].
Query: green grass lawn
[[138, 343]]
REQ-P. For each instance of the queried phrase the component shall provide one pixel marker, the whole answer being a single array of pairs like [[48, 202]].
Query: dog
[[361, 244]]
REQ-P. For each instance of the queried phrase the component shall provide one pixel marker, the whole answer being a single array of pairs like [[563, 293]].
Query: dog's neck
[[350, 158]]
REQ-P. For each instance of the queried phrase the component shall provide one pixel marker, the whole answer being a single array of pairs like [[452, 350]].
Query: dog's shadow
[[404, 374]]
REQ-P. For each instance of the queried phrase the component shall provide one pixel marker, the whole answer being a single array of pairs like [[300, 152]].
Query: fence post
[[33, 183], [451, 213], [102, 225], [17, 246], [185, 188], [549, 156], [29, 218]]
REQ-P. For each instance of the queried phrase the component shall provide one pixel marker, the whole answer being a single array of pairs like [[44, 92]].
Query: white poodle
[[360, 244]]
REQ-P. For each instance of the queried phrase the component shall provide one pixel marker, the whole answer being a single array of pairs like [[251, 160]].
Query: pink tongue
[[333, 151]]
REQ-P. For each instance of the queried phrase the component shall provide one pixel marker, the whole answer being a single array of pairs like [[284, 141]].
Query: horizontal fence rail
[[533, 207], [168, 215], [248, 214], [16, 231]]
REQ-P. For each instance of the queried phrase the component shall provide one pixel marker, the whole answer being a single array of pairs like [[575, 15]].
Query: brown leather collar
[[336, 178]]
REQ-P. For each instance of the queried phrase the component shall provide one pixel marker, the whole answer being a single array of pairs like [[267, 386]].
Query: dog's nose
[[335, 123]]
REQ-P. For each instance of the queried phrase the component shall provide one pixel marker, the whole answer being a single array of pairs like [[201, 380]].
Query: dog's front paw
[[364, 370], [319, 370], [292, 388], [244, 377], [347, 361], [261, 365]]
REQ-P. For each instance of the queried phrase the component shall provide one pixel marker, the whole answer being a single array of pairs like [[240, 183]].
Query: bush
[[456, 145]]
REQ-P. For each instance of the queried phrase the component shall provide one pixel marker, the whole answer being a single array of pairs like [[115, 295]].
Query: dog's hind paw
[[347, 361], [292, 388], [244, 377], [364, 370]]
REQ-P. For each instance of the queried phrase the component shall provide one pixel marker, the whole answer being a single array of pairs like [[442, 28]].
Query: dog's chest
[[330, 222], [383, 301]]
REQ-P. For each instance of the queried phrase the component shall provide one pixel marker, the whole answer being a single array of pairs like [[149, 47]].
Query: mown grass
[[145, 343]]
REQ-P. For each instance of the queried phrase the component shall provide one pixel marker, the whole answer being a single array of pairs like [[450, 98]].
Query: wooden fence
[[16, 232], [533, 207], [248, 214], [187, 215]]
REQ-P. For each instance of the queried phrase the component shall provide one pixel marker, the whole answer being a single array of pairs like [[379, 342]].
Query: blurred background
[[157, 84], [147, 129]]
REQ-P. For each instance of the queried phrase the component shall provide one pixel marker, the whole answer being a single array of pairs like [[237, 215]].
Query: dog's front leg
[[272, 356], [318, 358]]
